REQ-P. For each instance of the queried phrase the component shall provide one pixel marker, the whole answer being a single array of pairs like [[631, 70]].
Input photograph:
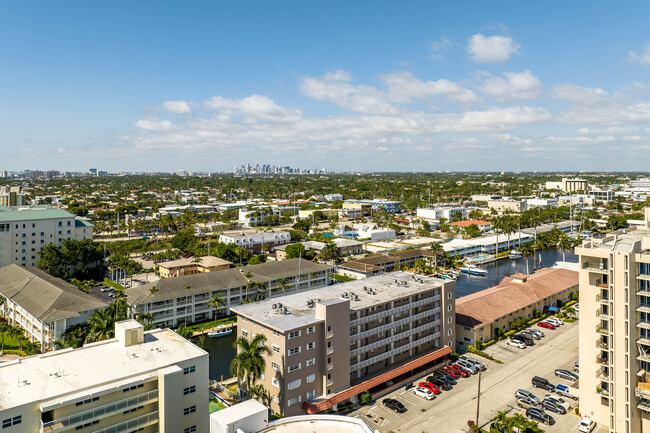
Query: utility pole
[[478, 395]]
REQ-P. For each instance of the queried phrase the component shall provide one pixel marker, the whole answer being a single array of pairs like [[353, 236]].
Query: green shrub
[[364, 397], [15, 352]]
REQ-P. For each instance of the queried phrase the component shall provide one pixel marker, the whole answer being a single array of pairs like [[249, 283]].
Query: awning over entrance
[[319, 406], [553, 309]]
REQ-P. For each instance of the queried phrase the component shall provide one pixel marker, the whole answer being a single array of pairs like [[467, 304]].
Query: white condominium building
[[24, 231], [615, 331], [147, 382]]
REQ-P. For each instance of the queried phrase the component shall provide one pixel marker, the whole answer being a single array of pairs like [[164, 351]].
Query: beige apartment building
[[180, 267], [24, 231], [331, 344], [12, 196], [615, 331], [147, 382]]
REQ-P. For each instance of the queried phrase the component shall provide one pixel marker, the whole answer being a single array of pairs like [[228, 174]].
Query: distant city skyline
[[361, 86]]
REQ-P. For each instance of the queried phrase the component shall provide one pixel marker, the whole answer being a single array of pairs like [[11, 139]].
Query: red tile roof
[[512, 294], [468, 223], [320, 406]]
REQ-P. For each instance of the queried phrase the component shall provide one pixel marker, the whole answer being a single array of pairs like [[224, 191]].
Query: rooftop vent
[[279, 305], [275, 306], [310, 303]]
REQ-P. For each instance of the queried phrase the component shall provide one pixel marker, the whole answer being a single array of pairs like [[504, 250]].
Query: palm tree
[[258, 392], [4, 331], [147, 320], [249, 363], [101, 324], [436, 248], [217, 303], [183, 331], [329, 252], [502, 420], [283, 283], [153, 290], [565, 244], [541, 243], [527, 251]]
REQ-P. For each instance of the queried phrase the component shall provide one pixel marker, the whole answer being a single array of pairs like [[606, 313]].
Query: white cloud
[[338, 75], [177, 106], [153, 124], [578, 95], [255, 107], [613, 130], [491, 49], [403, 87], [438, 48], [642, 58], [516, 85], [362, 99]]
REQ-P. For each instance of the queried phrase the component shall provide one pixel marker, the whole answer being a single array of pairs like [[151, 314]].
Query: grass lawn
[[215, 405], [211, 323]]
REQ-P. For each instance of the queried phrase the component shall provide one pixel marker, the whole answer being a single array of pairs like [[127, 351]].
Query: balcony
[[330, 334], [99, 412], [330, 366], [644, 341], [602, 361], [330, 350], [602, 375], [131, 424], [602, 330], [330, 382], [602, 298], [602, 314], [643, 308], [601, 345], [596, 266]]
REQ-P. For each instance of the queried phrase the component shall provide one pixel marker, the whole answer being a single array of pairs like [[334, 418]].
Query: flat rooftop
[[385, 288], [56, 377], [317, 423]]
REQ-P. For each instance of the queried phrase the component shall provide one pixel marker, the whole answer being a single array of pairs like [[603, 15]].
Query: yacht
[[473, 270], [221, 331], [514, 254]]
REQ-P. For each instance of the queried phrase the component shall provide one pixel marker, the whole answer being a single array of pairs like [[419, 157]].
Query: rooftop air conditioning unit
[[275, 306]]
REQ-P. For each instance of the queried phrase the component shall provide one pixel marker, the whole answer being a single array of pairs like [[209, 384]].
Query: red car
[[430, 386], [545, 325], [450, 371], [460, 370]]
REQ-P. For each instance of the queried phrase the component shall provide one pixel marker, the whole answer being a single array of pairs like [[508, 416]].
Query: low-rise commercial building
[[192, 265], [484, 226], [281, 253], [44, 306], [479, 315], [173, 301], [517, 206], [256, 241], [383, 262], [148, 382], [330, 344], [447, 212], [574, 185]]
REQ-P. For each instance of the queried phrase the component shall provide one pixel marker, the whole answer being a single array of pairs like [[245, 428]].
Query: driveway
[[449, 411]]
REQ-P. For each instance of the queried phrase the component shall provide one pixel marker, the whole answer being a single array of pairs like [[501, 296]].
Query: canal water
[[468, 284], [222, 352]]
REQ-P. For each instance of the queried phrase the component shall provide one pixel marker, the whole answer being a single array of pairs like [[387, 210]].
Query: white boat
[[221, 331], [473, 270], [514, 254]]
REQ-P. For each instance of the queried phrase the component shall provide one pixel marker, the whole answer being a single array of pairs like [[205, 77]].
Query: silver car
[[467, 365], [473, 361], [522, 393]]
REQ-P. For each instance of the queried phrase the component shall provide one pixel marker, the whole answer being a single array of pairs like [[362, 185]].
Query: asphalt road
[[450, 410]]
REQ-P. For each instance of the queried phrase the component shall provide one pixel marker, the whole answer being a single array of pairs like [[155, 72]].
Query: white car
[[467, 365], [473, 361], [586, 425], [576, 308], [555, 321], [516, 343], [558, 401], [424, 393]]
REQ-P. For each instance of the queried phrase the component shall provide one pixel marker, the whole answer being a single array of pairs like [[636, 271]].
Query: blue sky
[[363, 85]]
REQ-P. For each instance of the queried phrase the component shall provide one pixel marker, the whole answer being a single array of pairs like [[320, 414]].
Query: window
[[244, 333], [294, 351], [88, 424], [89, 400], [131, 388], [276, 399], [9, 422], [275, 366], [275, 382], [449, 320], [276, 349], [190, 369], [293, 401], [189, 410], [311, 345], [310, 362], [189, 390], [310, 395], [190, 429], [294, 334], [311, 378], [293, 368], [449, 307], [449, 332], [449, 295], [276, 333], [294, 384], [311, 329]]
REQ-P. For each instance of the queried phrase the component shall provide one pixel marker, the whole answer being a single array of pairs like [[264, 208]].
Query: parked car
[[425, 393], [444, 376], [525, 402], [394, 405], [439, 383], [576, 308], [540, 416], [516, 343], [540, 382], [576, 367], [555, 321], [566, 374], [530, 333], [522, 393], [586, 425], [467, 366], [528, 341], [553, 407], [430, 386], [474, 361], [565, 391], [558, 400], [545, 325], [462, 371], [450, 371]]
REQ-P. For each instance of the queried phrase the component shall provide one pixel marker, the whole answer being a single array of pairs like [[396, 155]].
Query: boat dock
[[210, 328]]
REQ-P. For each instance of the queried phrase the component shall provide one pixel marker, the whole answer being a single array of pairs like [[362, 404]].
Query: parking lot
[[449, 411]]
